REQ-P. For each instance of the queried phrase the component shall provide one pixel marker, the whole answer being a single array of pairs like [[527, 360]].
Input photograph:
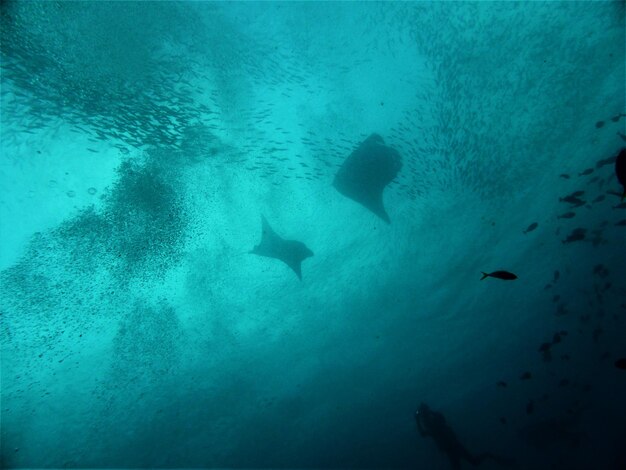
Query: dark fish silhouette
[[601, 270], [621, 363], [620, 170], [586, 172], [574, 200], [564, 176], [526, 376], [567, 215], [599, 124], [617, 117], [531, 227], [366, 172], [621, 223], [576, 235], [606, 161], [545, 347], [290, 252], [504, 275]]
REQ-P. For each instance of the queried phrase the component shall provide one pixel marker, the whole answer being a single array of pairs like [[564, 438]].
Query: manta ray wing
[[366, 172], [290, 252]]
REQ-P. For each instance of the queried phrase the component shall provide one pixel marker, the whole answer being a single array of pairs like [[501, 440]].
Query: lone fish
[[504, 275], [531, 227]]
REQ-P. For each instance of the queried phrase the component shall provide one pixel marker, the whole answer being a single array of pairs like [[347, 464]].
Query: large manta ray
[[366, 172], [290, 252]]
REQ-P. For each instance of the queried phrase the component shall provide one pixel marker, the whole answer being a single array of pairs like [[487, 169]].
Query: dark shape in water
[[544, 349], [601, 270], [586, 172], [526, 376], [620, 170], [564, 176], [576, 235], [599, 124], [600, 198], [573, 200], [504, 275], [621, 363], [366, 172], [567, 215], [433, 424], [531, 227], [621, 223], [605, 161], [290, 252], [501, 383]]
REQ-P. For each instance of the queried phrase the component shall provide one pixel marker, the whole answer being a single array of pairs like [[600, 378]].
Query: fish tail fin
[[484, 275]]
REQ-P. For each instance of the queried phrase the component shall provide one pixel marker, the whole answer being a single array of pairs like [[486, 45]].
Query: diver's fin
[[484, 276]]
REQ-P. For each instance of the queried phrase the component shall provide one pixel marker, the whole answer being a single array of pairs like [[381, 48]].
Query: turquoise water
[[141, 144]]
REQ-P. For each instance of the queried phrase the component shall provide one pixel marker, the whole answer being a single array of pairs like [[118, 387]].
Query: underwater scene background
[[143, 142]]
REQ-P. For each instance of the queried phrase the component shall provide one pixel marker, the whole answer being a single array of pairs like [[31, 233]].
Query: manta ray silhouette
[[366, 172], [290, 252]]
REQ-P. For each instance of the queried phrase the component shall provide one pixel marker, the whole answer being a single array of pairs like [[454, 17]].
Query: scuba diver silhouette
[[433, 424]]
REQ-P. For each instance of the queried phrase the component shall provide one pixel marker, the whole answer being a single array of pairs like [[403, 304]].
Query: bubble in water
[[92, 190], [71, 193]]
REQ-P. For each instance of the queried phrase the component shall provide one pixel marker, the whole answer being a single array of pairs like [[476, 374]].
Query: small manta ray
[[366, 172], [290, 252]]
